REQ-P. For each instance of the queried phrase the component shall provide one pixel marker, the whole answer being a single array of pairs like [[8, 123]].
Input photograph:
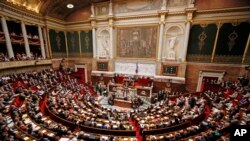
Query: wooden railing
[[88, 128], [183, 125], [175, 127], [25, 63]]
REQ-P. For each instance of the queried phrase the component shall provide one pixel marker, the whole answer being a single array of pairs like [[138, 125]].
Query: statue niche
[[173, 38], [171, 51], [103, 44]]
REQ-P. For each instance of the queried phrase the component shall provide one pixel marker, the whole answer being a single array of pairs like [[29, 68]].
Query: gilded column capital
[[111, 21], [162, 16], [93, 24], [218, 25], [163, 12], [188, 10], [190, 13]]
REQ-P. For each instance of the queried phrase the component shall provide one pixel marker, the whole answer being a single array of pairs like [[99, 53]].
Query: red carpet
[[207, 111], [42, 107], [137, 129], [18, 102]]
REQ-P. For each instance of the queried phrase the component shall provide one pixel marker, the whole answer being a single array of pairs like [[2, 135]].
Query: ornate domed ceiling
[[53, 8]]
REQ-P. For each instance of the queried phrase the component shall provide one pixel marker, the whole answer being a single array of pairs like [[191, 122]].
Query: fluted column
[[160, 41], [41, 42], [215, 41], [47, 52], [111, 51], [246, 49], [189, 12], [162, 13], [7, 38], [186, 38], [111, 31], [66, 43], [26, 42], [111, 42], [94, 42]]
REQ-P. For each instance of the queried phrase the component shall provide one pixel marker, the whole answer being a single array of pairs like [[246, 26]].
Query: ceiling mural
[[32, 5], [53, 8], [58, 8]]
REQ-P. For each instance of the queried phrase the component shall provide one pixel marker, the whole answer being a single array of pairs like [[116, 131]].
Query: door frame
[[209, 73], [83, 66]]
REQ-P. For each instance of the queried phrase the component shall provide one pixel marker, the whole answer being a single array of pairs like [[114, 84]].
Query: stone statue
[[106, 45], [92, 10], [164, 5], [171, 51], [192, 1], [172, 42], [110, 8]]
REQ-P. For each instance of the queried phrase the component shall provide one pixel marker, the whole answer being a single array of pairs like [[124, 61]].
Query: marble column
[[7, 38], [186, 38], [215, 41], [111, 51], [41, 42], [66, 43], [246, 50], [111, 42], [46, 45], [94, 42], [26, 42], [160, 41]]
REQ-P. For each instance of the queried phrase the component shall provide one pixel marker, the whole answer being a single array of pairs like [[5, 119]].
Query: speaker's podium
[[128, 82], [124, 94], [123, 97], [122, 103]]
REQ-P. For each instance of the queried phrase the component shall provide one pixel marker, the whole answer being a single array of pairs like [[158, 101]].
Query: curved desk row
[[88, 128], [175, 127]]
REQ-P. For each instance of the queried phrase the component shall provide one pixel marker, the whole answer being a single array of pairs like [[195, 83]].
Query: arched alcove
[[173, 39], [103, 43]]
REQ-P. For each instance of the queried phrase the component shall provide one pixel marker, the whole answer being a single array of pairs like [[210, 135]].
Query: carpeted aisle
[[137, 129], [207, 111], [42, 107]]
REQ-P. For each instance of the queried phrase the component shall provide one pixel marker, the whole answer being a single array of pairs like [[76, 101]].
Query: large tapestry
[[73, 44], [86, 43], [137, 42], [201, 42], [57, 43], [232, 41]]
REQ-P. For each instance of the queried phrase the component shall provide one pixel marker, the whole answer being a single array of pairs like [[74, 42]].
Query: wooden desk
[[122, 103], [144, 91], [113, 87]]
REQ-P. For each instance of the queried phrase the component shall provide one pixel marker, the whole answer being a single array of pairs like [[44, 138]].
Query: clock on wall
[[102, 66], [169, 70]]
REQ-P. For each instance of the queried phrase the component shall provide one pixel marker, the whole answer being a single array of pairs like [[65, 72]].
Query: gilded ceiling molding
[[86, 22], [224, 10], [51, 19], [218, 18], [136, 17], [18, 9], [33, 5]]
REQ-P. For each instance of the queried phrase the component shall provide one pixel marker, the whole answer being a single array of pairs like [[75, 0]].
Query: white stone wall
[[145, 69]]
